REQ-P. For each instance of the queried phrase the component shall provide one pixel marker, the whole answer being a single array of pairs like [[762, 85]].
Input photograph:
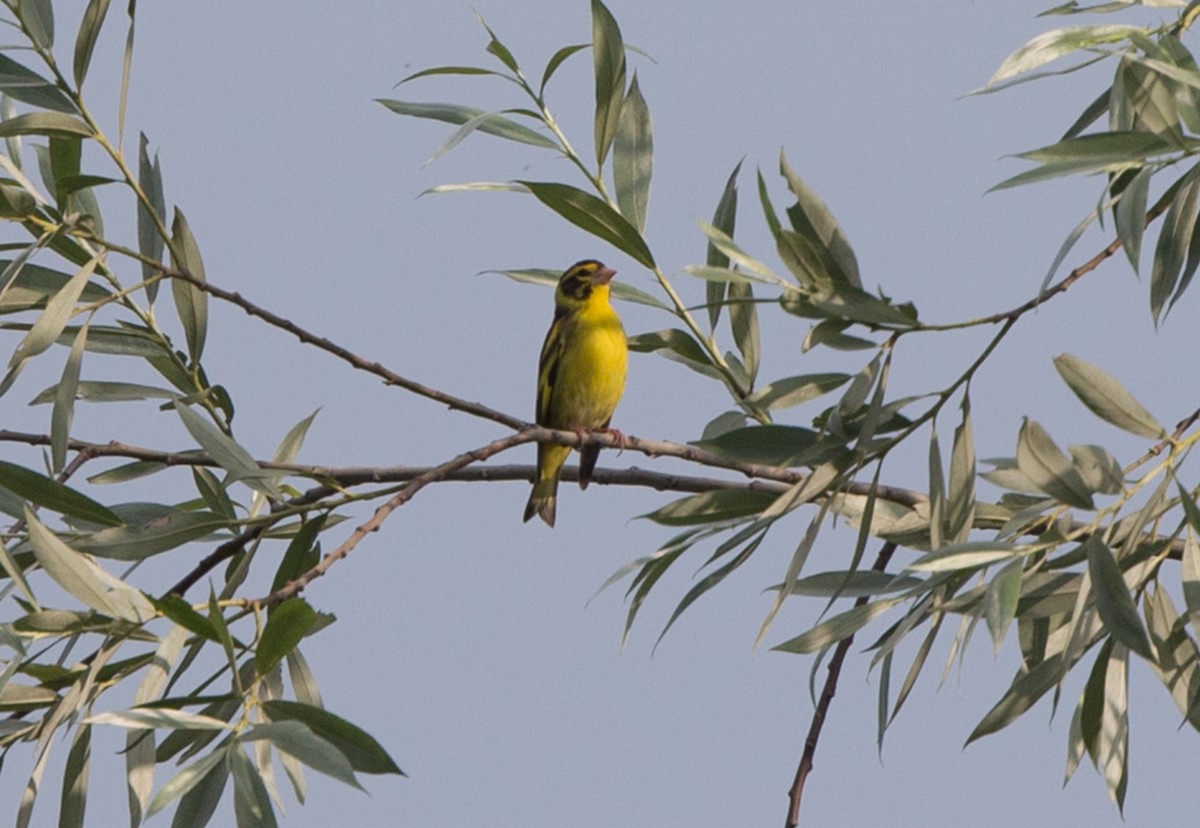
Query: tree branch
[[827, 694]]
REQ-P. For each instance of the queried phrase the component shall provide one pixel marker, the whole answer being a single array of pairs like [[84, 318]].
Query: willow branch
[[827, 694], [346, 355]]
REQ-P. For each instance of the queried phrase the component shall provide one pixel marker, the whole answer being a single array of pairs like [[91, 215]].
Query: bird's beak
[[603, 276]]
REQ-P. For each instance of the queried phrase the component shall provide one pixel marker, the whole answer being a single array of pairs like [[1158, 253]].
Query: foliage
[[1071, 556]]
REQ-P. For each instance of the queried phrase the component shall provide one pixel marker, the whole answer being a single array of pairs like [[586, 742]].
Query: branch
[[827, 694], [392, 378]]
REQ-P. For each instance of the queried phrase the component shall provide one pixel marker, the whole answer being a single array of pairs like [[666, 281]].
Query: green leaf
[[211, 771], [83, 579], [168, 529], [1000, 602], [100, 391], [298, 739], [182, 613], [556, 60], [1106, 397], [593, 215], [302, 553], [677, 345], [288, 624], [1190, 573], [366, 755], [711, 507], [1112, 746], [31, 286], [1049, 469], [150, 240], [770, 445], [489, 123], [792, 391], [608, 54], [51, 494], [228, 454], [633, 157], [1090, 153], [44, 123], [837, 628], [743, 320], [1057, 43], [724, 219], [1174, 241], [85, 41], [1113, 600], [958, 557], [27, 86], [852, 584], [64, 403], [813, 221], [75, 779], [960, 504], [191, 303], [37, 17], [53, 320], [1022, 694], [251, 802]]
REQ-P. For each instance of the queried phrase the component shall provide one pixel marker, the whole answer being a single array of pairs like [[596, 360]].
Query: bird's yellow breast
[[591, 376]]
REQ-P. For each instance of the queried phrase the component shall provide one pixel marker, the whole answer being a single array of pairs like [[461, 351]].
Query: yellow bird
[[581, 376]]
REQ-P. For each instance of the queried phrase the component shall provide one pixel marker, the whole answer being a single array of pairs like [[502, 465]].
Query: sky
[[469, 643]]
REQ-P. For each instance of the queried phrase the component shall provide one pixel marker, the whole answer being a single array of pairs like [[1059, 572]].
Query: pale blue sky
[[465, 642]]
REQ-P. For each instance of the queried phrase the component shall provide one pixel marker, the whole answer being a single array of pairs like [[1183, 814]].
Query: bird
[[581, 377]]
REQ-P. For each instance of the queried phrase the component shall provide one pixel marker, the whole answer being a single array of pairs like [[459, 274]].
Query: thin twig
[[827, 693]]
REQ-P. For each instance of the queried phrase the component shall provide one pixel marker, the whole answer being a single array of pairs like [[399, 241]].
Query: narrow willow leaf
[[1057, 43], [298, 740], [64, 402], [73, 803], [198, 787], [1113, 600], [304, 683], [251, 802], [852, 584], [44, 123], [366, 755], [1130, 215], [792, 391], [1039, 459], [54, 496], [1000, 603], [23, 84], [86, 580], [593, 215], [1190, 572], [85, 41], [160, 533], [633, 156], [813, 220], [472, 125], [937, 491], [492, 124], [726, 245], [1112, 748], [37, 17], [191, 303], [711, 507], [149, 220], [556, 60], [159, 717], [724, 219], [970, 555], [53, 320], [1174, 240], [1104, 395], [15, 572], [960, 506], [1090, 154], [226, 451], [1022, 694], [31, 286], [676, 345], [773, 445], [1178, 664], [608, 55], [743, 320], [288, 624], [139, 744], [837, 628]]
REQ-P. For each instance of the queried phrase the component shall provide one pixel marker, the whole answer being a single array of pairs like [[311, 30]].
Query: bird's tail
[[543, 500]]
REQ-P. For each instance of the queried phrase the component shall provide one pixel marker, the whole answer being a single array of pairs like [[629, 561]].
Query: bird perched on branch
[[581, 376]]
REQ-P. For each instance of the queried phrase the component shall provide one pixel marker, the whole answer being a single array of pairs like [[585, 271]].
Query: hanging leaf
[[1104, 395], [1044, 464], [633, 157], [608, 54], [1113, 600], [724, 219], [1057, 43], [593, 215], [191, 303]]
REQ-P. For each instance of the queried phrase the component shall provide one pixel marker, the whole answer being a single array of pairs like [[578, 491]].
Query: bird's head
[[582, 281]]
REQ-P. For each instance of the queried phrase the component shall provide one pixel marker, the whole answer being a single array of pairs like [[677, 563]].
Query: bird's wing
[[552, 351]]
